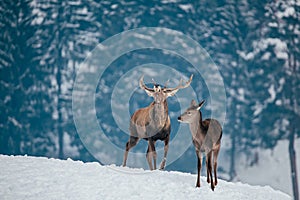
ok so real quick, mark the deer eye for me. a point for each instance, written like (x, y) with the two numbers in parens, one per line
(189, 113)
(157, 88)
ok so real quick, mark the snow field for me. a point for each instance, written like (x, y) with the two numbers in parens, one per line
(24, 177)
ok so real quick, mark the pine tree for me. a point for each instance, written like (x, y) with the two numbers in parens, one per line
(66, 32)
(285, 23)
(277, 48)
(233, 26)
(15, 70)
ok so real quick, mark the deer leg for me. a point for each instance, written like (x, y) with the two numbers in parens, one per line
(154, 155)
(131, 143)
(199, 168)
(207, 171)
(209, 155)
(166, 148)
(149, 159)
(151, 154)
(216, 153)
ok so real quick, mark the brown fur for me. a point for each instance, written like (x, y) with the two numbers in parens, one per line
(206, 137)
(153, 122)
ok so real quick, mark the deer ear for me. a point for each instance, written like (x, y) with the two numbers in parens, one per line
(193, 103)
(200, 104)
(170, 93)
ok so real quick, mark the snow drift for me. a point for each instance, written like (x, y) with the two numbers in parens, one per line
(24, 177)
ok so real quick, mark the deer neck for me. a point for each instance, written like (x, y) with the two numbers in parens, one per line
(160, 113)
(196, 126)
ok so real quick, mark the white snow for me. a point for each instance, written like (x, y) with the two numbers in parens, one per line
(289, 11)
(15, 122)
(280, 48)
(42, 178)
(114, 6)
(186, 7)
(246, 56)
(258, 108)
(272, 93)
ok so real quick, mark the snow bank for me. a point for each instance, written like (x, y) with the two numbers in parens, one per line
(43, 178)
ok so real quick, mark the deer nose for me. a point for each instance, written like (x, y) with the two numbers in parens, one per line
(179, 118)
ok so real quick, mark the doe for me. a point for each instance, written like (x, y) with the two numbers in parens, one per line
(206, 137)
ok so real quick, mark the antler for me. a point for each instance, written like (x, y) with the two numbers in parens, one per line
(153, 81)
(168, 91)
(172, 91)
(144, 87)
(166, 84)
(180, 86)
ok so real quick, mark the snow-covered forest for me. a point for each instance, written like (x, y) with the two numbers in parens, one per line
(255, 45)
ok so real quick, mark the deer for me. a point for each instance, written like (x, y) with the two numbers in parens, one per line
(152, 123)
(206, 136)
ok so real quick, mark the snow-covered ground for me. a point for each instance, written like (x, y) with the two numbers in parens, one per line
(42, 178)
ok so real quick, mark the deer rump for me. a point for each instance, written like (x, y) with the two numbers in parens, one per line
(211, 141)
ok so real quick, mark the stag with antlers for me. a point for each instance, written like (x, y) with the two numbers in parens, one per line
(153, 122)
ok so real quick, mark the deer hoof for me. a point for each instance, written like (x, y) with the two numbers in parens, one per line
(213, 188)
(162, 164)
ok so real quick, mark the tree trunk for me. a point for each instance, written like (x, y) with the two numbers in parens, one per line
(293, 66)
(232, 172)
(59, 120)
(60, 65)
(293, 164)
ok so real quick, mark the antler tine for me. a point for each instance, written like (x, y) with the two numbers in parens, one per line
(143, 86)
(153, 81)
(141, 82)
(190, 79)
(180, 82)
(166, 84)
(180, 86)
(172, 91)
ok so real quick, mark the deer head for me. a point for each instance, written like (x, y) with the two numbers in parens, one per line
(160, 94)
(189, 115)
